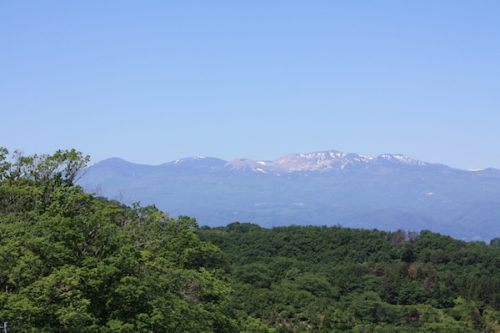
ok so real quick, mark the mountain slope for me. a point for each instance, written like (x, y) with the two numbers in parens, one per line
(323, 188)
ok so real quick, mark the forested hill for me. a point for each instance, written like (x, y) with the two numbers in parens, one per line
(74, 262)
(331, 279)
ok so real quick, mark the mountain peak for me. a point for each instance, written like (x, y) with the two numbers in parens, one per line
(114, 161)
(319, 161)
(197, 162)
(313, 161)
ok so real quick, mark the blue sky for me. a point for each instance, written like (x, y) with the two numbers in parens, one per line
(152, 81)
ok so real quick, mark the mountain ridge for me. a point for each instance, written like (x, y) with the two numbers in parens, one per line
(388, 191)
(299, 162)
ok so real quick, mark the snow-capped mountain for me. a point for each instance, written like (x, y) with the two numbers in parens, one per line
(389, 191)
(319, 161)
(198, 162)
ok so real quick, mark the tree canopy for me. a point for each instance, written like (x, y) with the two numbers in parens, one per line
(74, 262)
(333, 279)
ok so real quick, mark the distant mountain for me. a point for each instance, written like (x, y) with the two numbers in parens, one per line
(389, 191)
(320, 161)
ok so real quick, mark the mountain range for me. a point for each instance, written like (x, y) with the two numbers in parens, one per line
(388, 192)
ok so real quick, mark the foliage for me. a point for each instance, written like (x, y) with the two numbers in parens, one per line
(332, 279)
(73, 262)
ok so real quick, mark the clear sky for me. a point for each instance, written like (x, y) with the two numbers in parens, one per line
(152, 81)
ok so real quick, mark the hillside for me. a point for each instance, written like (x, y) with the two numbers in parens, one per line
(73, 262)
(332, 279)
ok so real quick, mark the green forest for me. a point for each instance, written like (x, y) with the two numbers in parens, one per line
(71, 261)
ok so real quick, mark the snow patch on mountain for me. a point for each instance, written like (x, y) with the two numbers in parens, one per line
(318, 161)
